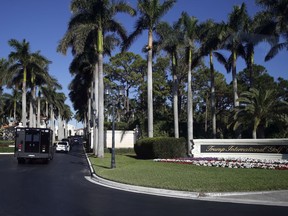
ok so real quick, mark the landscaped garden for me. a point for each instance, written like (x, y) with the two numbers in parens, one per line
(188, 177)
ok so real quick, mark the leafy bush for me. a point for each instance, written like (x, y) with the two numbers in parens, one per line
(170, 147)
(144, 148)
(120, 150)
(160, 147)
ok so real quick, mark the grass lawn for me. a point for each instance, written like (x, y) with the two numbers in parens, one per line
(4, 146)
(188, 177)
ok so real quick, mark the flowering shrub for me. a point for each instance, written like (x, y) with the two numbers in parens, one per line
(231, 162)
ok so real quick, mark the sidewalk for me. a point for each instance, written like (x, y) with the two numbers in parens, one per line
(274, 198)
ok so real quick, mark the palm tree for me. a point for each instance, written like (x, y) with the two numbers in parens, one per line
(190, 25)
(276, 23)
(3, 72)
(20, 60)
(66, 116)
(258, 107)
(91, 20)
(151, 12)
(211, 37)
(236, 26)
(170, 38)
(38, 76)
(43, 84)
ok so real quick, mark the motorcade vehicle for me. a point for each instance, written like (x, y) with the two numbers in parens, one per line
(63, 146)
(33, 143)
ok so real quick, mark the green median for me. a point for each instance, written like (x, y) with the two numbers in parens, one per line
(185, 177)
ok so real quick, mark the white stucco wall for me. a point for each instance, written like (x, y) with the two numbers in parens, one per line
(123, 139)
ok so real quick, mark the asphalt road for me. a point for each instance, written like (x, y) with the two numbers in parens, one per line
(60, 189)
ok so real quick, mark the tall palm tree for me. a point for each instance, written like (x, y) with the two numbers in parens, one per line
(170, 38)
(38, 75)
(20, 59)
(151, 11)
(43, 84)
(191, 35)
(59, 110)
(211, 37)
(258, 107)
(276, 22)
(3, 73)
(236, 26)
(90, 21)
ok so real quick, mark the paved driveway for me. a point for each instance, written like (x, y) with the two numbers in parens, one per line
(61, 189)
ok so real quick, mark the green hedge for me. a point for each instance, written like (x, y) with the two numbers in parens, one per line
(160, 147)
(120, 150)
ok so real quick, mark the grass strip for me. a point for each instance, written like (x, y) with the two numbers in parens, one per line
(6, 142)
(5, 149)
(187, 177)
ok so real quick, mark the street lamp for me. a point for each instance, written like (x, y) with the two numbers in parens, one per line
(114, 95)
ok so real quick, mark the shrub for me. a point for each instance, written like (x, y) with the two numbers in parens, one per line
(120, 150)
(144, 148)
(160, 147)
(169, 147)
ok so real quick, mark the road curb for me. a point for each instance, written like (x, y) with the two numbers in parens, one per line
(228, 197)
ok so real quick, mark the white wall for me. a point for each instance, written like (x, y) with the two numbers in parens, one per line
(123, 139)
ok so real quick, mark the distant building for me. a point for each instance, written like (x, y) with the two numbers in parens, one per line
(71, 130)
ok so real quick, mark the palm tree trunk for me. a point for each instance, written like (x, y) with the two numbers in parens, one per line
(95, 126)
(92, 118)
(251, 74)
(150, 86)
(14, 110)
(30, 114)
(190, 105)
(213, 104)
(206, 113)
(38, 111)
(255, 126)
(101, 108)
(234, 79)
(24, 98)
(60, 127)
(52, 118)
(89, 116)
(175, 98)
(34, 106)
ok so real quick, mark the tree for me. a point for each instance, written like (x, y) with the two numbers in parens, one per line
(21, 59)
(258, 107)
(236, 26)
(151, 11)
(126, 69)
(90, 21)
(190, 26)
(170, 38)
(211, 38)
(3, 72)
(276, 23)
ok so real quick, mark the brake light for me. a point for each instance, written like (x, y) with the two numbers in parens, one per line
(43, 149)
(19, 147)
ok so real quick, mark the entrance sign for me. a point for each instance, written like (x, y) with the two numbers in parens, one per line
(241, 148)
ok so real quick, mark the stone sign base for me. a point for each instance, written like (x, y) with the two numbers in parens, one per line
(270, 149)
